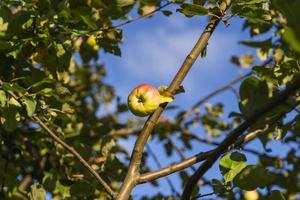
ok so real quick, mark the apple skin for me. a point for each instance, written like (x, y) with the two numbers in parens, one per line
(143, 100)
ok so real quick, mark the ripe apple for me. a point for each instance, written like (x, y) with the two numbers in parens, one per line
(143, 100)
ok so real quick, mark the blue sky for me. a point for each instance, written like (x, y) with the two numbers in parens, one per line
(152, 52)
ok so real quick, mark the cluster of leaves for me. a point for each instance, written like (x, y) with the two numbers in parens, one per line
(281, 65)
(50, 69)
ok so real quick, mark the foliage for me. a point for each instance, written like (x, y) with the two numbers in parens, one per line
(49, 59)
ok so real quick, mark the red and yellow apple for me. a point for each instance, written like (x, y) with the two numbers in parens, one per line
(143, 100)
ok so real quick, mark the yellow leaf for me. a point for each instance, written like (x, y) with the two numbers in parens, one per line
(3, 25)
(262, 55)
(165, 97)
(246, 60)
(148, 9)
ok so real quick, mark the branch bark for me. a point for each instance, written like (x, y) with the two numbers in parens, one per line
(132, 176)
(68, 148)
(234, 135)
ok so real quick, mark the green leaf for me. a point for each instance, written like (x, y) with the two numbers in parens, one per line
(290, 37)
(253, 94)
(40, 83)
(252, 177)
(167, 12)
(81, 189)
(290, 11)
(9, 118)
(5, 45)
(64, 190)
(60, 51)
(89, 22)
(190, 9)
(199, 2)
(2, 98)
(246, 2)
(232, 164)
(122, 3)
(37, 192)
(265, 44)
(13, 87)
(276, 195)
(30, 104)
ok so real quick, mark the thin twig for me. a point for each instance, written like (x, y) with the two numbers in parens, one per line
(68, 148)
(133, 174)
(156, 160)
(132, 20)
(203, 195)
(143, 16)
(234, 135)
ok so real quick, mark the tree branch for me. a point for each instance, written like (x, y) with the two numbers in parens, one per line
(132, 176)
(142, 16)
(202, 156)
(203, 195)
(68, 148)
(233, 136)
(132, 20)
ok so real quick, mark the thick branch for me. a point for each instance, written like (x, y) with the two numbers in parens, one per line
(132, 176)
(70, 149)
(233, 136)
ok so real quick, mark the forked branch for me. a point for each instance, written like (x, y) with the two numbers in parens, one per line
(133, 174)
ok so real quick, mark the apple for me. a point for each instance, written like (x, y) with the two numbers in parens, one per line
(143, 100)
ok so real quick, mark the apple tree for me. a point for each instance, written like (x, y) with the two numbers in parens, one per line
(53, 84)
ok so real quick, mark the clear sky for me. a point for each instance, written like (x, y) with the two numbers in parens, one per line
(152, 52)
